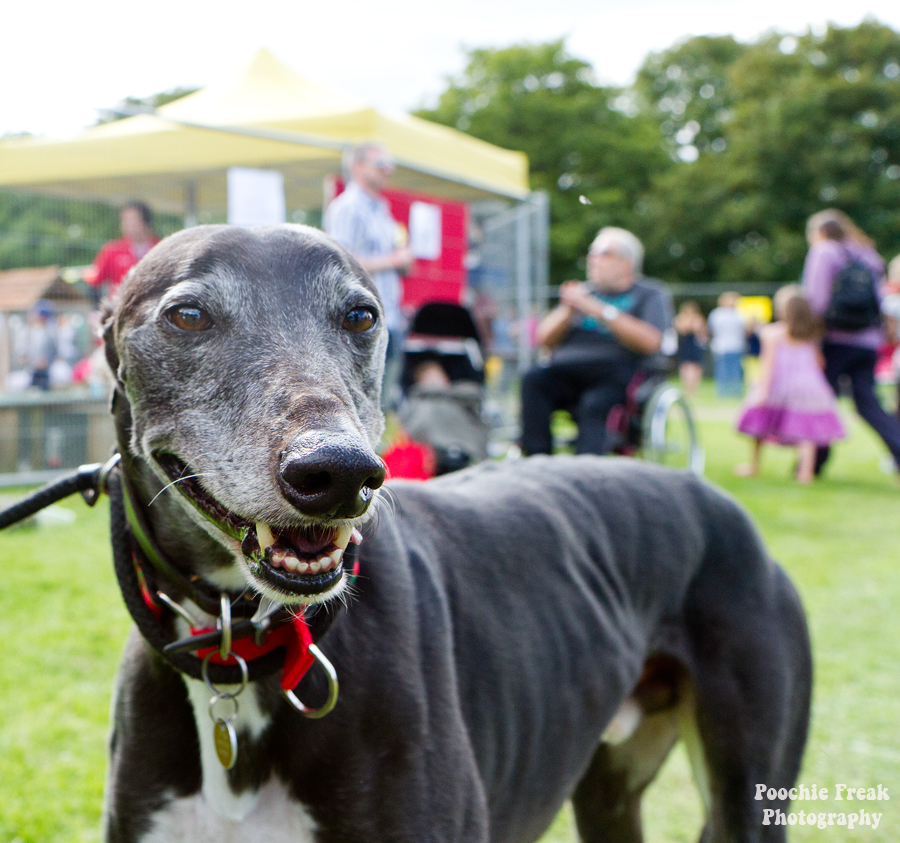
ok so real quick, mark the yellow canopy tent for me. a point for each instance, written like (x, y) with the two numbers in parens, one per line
(176, 159)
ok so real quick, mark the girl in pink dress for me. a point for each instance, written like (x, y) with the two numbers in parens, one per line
(791, 403)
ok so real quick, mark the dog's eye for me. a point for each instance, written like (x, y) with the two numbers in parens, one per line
(359, 319)
(188, 317)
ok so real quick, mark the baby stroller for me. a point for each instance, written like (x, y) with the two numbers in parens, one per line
(442, 383)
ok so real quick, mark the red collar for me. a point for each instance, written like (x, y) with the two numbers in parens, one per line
(293, 634)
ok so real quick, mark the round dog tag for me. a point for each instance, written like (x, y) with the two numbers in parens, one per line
(225, 740)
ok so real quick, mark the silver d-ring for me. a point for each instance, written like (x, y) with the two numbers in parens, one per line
(225, 626)
(245, 677)
(331, 673)
(215, 700)
(108, 466)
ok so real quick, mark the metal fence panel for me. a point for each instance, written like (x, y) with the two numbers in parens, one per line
(45, 433)
(513, 270)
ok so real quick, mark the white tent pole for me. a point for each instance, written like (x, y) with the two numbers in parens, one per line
(541, 217)
(190, 204)
(523, 284)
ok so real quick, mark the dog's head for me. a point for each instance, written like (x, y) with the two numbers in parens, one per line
(248, 368)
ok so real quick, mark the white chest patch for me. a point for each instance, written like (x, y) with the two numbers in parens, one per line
(219, 815)
(217, 793)
(275, 818)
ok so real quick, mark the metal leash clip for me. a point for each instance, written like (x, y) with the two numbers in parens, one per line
(97, 478)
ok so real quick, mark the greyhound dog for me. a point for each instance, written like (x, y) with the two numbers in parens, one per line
(505, 638)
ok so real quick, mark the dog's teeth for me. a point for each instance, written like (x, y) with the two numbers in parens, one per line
(335, 556)
(302, 568)
(356, 536)
(264, 534)
(277, 557)
(314, 567)
(291, 562)
(342, 539)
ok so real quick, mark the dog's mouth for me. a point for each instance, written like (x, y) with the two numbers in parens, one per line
(293, 560)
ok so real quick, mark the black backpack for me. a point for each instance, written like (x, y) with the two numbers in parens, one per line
(853, 305)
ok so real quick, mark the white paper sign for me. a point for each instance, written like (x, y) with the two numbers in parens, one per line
(255, 197)
(425, 230)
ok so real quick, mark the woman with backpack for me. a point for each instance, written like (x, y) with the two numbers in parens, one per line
(842, 277)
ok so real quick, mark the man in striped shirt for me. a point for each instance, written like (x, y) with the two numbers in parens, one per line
(360, 220)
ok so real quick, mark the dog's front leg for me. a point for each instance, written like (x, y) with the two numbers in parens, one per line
(425, 806)
(393, 763)
(153, 744)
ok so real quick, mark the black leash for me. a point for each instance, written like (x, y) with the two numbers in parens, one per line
(136, 558)
(89, 480)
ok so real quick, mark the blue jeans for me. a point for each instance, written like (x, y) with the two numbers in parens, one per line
(728, 372)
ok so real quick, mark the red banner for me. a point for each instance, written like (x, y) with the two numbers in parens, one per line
(438, 278)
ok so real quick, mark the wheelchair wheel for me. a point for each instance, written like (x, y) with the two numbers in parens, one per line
(669, 434)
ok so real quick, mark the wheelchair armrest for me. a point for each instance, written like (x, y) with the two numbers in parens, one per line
(647, 387)
(657, 364)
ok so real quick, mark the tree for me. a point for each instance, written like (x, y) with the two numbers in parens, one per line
(812, 121)
(37, 230)
(686, 88)
(829, 133)
(586, 150)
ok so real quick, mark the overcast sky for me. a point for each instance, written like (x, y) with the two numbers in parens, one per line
(60, 62)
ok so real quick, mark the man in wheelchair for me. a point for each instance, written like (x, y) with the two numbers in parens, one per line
(601, 333)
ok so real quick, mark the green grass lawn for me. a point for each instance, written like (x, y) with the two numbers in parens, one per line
(62, 624)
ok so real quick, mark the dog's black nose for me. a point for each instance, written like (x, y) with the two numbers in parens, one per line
(333, 479)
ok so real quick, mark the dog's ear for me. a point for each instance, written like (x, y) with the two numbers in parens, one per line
(107, 334)
(118, 404)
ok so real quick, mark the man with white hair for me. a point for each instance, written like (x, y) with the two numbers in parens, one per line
(360, 220)
(599, 335)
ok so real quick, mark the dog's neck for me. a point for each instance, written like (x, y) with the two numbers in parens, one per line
(154, 588)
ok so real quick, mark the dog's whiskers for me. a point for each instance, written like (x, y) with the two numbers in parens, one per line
(349, 592)
(169, 485)
(383, 500)
(389, 498)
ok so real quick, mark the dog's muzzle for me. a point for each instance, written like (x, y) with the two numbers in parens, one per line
(329, 482)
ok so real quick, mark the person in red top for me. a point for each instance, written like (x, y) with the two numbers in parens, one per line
(118, 256)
